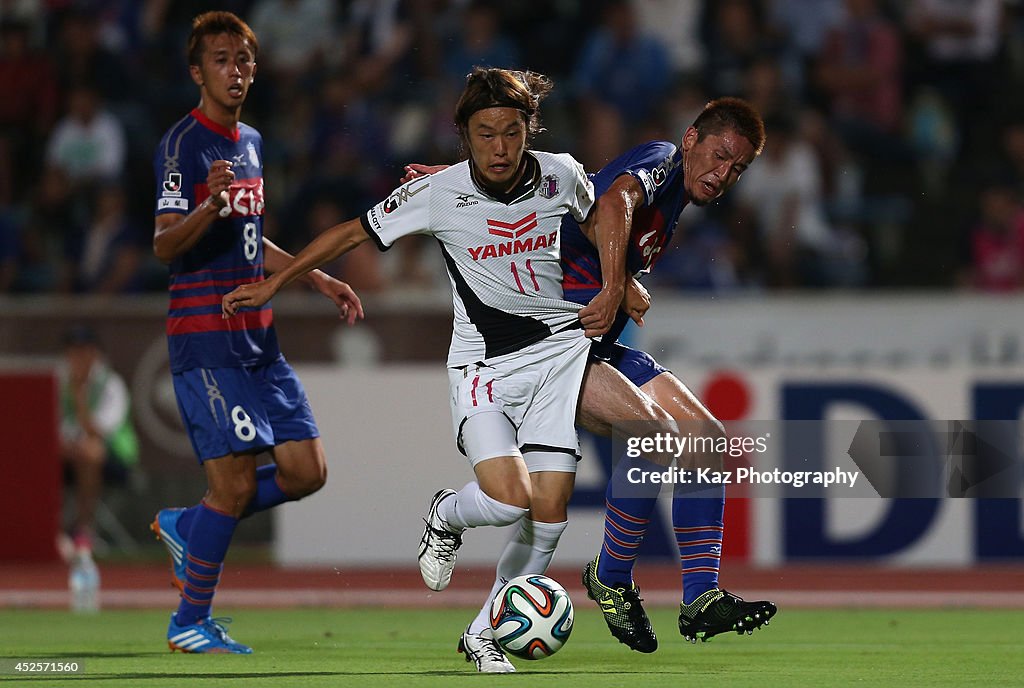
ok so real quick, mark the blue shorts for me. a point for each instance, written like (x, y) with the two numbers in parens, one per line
(243, 410)
(639, 366)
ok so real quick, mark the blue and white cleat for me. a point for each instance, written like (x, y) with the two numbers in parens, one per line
(206, 636)
(165, 527)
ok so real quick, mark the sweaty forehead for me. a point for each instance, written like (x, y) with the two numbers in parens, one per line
(731, 143)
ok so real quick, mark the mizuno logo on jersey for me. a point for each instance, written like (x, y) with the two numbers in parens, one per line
(466, 200)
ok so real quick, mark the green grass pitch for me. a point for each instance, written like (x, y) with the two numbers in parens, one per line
(378, 647)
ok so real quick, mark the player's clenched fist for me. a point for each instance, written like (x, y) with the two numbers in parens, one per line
(218, 181)
(247, 296)
(636, 301)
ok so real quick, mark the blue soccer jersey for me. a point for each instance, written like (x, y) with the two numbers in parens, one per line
(230, 253)
(658, 167)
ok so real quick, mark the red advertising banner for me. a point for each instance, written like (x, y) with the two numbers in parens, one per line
(29, 466)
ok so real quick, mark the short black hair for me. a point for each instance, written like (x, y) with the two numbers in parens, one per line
(212, 24)
(737, 114)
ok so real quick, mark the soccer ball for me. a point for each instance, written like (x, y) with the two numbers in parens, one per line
(531, 617)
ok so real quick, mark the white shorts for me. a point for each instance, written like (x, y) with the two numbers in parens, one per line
(522, 404)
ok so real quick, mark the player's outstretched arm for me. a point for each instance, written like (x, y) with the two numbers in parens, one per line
(175, 234)
(611, 224)
(334, 242)
(340, 293)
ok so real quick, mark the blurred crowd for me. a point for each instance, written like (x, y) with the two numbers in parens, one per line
(895, 153)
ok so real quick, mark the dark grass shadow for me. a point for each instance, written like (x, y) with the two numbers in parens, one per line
(274, 675)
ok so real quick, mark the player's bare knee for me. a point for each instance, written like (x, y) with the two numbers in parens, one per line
(520, 496)
(319, 479)
(658, 423)
(549, 509)
(302, 483)
(711, 432)
(662, 420)
(514, 493)
(232, 496)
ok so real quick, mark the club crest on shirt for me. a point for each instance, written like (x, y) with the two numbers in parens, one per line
(548, 186)
(252, 154)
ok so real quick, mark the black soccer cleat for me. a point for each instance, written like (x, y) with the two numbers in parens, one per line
(623, 611)
(719, 611)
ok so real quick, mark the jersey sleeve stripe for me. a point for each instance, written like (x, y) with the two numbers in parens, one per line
(214, 322)
(172, 149)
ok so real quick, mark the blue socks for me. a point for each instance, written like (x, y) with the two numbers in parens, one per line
(697, 519)
(268, 492)
(208, 542)
(208, 533)
(628, 508)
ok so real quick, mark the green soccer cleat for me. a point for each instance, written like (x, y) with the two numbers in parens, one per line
(623, 611)
(719, 611)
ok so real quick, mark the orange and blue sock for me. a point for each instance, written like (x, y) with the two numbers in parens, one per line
(697, 519)
(628, 508)
(208, 542)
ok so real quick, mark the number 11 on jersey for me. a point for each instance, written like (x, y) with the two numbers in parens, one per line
(519, 282)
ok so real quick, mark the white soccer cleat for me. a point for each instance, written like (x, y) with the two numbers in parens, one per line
(483, 649)
(438, 546)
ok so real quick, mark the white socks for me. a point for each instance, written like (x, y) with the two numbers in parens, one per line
(529, 551)
(471, 507)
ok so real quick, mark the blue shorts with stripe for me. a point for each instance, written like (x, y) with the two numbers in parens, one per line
(639, 366)
(243, 410)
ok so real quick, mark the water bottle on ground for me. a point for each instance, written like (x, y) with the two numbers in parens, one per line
(84, 583)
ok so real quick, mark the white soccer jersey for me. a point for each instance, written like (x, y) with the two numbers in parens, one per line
(503, 254)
